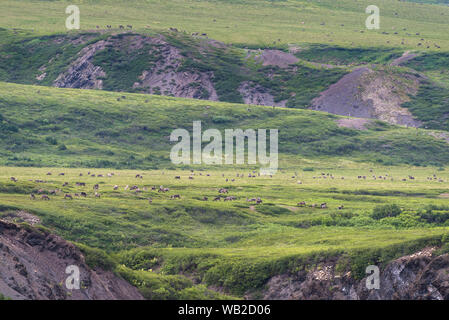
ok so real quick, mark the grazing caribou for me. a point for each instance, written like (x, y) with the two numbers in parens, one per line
(162, 189)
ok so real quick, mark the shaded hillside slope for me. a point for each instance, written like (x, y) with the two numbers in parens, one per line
(64, 127)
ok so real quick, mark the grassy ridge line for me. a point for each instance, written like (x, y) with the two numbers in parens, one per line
(44, 126)
(27, 58)
(246, 22)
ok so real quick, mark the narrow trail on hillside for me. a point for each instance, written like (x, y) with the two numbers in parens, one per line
(406, 56)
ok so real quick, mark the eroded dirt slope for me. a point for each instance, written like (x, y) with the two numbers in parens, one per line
(33, 265)
(420, 276)
(162, 77)
(371, 93)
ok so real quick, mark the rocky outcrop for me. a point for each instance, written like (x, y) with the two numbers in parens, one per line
(420, 276)
(33, 266)
(167, 78)
(82, 73)
(164, 77)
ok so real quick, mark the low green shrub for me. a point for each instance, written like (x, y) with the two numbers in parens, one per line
(389, 210)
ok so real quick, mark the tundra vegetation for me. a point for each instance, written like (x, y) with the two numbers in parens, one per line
(385, 189)
(93, 165)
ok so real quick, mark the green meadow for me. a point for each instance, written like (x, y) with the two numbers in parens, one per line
(187, 248)
(253, 22)
(234, 245)
(385, 187)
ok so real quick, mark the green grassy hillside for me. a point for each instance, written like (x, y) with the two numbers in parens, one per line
(44, 126)
(385, 187)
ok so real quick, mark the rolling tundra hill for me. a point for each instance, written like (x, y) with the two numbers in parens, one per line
(42, 126)
(85, 124)
(397, 87)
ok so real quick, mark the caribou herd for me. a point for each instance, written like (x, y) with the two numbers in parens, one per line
(223, 193)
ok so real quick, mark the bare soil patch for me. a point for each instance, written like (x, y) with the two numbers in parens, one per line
(274, 58)
(355, 123)
(365, 93)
